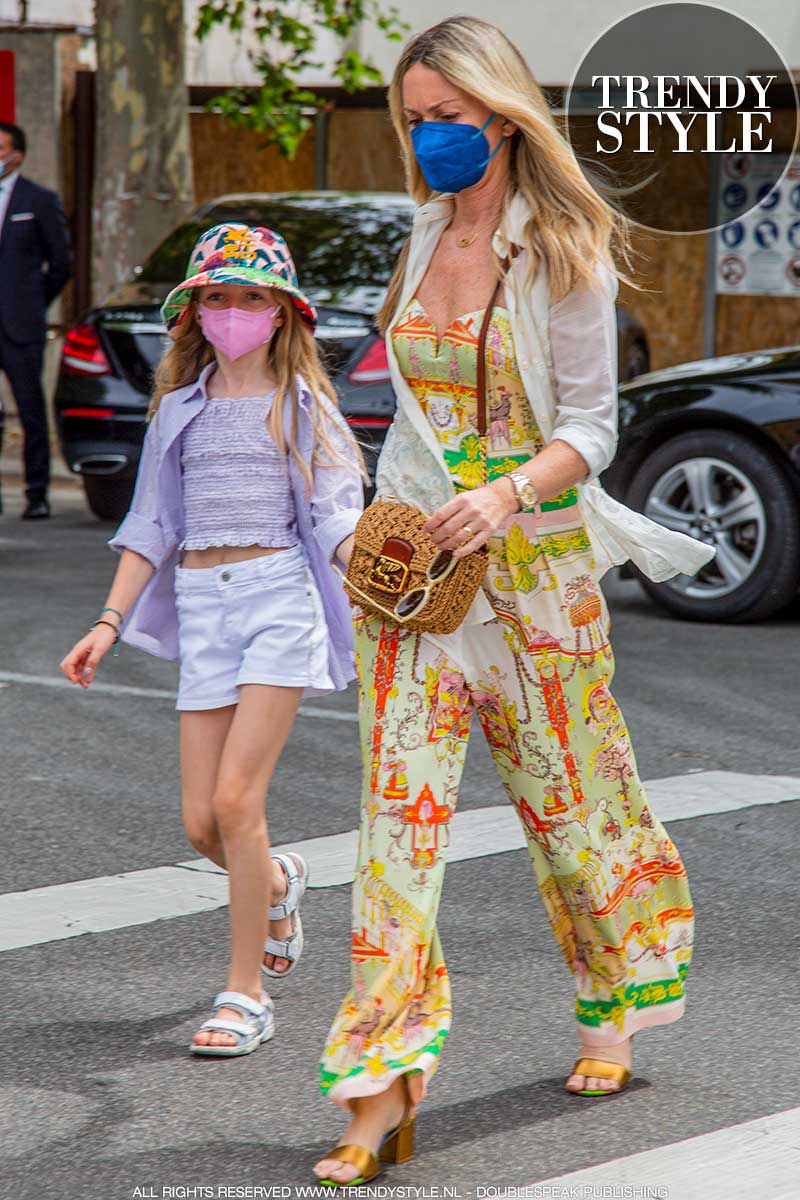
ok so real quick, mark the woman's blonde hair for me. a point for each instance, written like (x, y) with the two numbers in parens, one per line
(291, 351)
(571, 225)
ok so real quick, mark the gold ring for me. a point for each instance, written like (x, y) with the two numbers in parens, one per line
(468, 530)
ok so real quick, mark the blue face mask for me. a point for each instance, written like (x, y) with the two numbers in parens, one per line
(452, 156)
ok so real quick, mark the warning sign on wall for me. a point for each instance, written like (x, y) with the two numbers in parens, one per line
(758, 246)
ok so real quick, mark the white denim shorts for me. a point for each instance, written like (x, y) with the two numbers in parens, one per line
(260, 620)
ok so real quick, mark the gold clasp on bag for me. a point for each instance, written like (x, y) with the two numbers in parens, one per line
(390, 570)
(388, 575)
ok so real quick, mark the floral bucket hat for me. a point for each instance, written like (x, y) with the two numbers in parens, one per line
(235, 253)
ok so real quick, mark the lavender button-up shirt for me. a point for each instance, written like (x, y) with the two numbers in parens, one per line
(154, 525)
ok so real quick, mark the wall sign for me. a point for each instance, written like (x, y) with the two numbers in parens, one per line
(758, 248)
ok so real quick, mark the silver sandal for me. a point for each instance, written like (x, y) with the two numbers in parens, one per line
(295, 869)
(257, 1024)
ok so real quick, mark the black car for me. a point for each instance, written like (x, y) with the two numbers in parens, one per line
(344, 246)
(712, 449)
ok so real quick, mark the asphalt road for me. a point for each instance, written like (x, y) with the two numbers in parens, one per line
(98, 1094)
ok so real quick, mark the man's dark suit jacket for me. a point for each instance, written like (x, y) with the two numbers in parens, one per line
(35, 235)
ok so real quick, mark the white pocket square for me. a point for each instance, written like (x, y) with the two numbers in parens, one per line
(21, 217)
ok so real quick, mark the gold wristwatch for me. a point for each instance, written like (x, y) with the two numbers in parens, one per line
(527, 496)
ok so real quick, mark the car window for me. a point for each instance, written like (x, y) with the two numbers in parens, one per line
(339, 246)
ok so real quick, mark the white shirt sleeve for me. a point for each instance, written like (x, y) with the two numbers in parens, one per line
(583, 341)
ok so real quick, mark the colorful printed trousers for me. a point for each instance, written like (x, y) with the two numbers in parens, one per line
(613, 885)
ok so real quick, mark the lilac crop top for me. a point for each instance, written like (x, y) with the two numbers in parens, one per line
(236, 486)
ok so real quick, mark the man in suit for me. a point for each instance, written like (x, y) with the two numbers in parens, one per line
(35, 263)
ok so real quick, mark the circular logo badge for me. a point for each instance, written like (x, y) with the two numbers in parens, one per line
(673, 95)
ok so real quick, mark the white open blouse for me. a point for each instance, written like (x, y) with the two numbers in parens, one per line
(583, 345)
(567, 359)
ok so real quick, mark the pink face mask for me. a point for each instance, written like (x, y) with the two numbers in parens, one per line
(234, 331)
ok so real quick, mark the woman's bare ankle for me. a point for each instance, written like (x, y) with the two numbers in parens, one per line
(371, 1117)
(615, 1052)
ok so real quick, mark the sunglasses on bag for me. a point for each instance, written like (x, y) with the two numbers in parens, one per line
(440, 566)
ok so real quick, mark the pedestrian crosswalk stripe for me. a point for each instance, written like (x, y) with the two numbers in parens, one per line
(101, 688)
(66, 910)
(496, 829)
(755, 1158)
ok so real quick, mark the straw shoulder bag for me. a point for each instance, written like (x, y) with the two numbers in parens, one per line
(397, 571)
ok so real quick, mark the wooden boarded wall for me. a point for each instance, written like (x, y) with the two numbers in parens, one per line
(230, 158)
(363, 154)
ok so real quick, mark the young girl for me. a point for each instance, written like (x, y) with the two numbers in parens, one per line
(249, 485)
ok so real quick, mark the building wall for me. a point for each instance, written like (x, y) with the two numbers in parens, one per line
(51, 12)
(38, 99)
(221, 58)
(758, 322)
(552, 35)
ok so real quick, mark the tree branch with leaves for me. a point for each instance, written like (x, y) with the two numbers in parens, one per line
(286, 36)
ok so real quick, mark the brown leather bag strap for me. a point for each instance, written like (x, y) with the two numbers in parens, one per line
(483, 417)
(483, 407)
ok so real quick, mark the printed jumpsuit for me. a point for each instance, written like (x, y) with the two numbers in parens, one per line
(537, 677)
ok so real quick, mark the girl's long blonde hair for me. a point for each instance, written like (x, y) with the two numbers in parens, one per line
(291, 351)
(571, 225)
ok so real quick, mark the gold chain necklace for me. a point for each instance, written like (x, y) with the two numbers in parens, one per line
(464, 242)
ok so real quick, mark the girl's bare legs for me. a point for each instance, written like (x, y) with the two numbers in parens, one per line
(228, 756)
(202, 739)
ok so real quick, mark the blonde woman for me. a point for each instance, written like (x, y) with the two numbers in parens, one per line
(506, 221)
(249, 486)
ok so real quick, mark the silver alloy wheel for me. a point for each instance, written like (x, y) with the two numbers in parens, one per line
(713, 501)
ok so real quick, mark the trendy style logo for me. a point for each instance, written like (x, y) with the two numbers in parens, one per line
(670, 100)
(687, 104)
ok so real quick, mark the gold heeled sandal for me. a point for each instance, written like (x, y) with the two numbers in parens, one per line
(602, 1068)
(397, 1146)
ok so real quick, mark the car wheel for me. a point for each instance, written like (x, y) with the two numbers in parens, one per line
(109, 499)
(722, 488)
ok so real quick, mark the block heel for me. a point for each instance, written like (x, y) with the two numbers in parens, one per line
(399, 1144)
